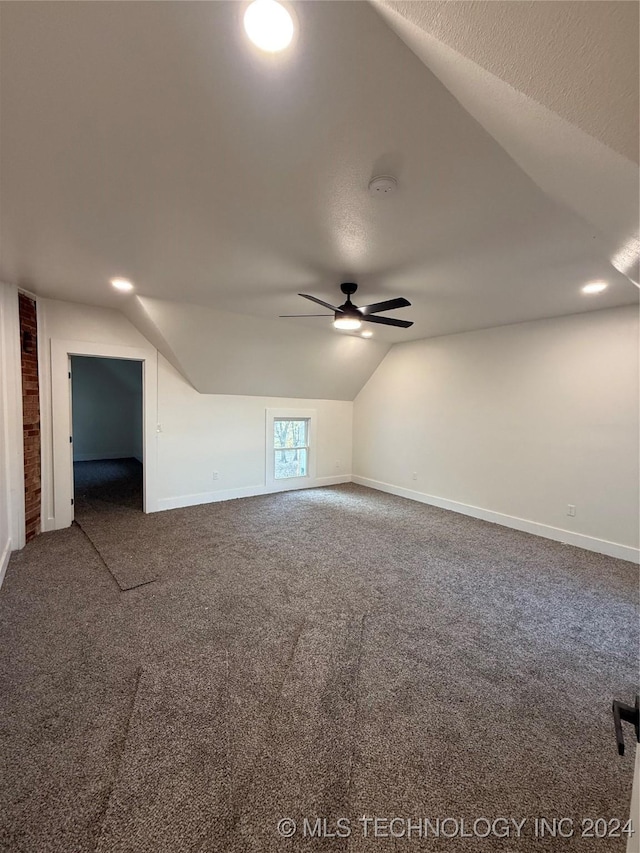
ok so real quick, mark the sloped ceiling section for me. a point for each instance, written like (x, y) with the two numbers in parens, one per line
(224, 353)
(556, 84)
(151, 141)
(136, 311)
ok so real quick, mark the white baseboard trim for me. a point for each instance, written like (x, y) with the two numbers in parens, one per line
(4, 559)
(567, 537)
(244, 492)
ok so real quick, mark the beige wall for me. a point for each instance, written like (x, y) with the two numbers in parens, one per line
(516, 422)
(203, 433)
(197, 433)
(511, 424)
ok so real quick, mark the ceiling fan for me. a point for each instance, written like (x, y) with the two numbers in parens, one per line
(349, 317)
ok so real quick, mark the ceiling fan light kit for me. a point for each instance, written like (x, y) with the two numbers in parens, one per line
(349, 317)
(346, 323)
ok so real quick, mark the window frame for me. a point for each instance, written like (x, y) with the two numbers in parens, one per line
(288, 483)
(296, 447)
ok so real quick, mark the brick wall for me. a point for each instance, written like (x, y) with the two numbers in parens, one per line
(30, 415)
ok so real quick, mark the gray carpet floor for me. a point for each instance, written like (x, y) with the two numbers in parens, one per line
(116, 482)
(106, 492)
(334, 652)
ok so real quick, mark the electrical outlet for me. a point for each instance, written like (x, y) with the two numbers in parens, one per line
(338, 466)
(414, 476)
(216, 475)
(571, 510)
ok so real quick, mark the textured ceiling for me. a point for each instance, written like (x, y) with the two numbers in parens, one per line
(149, 140)
(572, 167)
(578, 59)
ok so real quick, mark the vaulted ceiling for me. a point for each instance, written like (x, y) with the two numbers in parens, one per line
(150, 140)
(556, 85)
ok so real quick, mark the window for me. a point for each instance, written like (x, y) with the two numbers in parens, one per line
(290, 448)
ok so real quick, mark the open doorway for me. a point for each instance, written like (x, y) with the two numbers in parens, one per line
(107, 432)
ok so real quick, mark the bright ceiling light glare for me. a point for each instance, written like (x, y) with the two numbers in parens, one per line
(121, 284)
(367, 334)
(347, 324)
(269, 25)
(595, 287)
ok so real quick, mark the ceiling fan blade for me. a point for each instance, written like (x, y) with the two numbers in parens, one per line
(306, 315)
(389, 305)
(388, 321)
(319, 301)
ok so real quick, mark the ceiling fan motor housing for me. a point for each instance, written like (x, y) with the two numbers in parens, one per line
(348, 288)
(348, 310)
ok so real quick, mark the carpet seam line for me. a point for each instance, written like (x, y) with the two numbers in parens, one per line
(125, 739)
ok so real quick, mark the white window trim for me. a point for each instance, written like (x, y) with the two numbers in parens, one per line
(309, 480)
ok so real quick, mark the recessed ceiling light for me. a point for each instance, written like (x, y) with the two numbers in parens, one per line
(121, 284)
(595, 287)
(269, 25)
(367, 334)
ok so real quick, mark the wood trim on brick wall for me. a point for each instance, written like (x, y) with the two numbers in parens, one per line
(30, 414)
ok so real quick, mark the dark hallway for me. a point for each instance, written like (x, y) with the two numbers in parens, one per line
(107, 433)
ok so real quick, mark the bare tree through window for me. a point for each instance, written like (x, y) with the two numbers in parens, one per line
(291, 447)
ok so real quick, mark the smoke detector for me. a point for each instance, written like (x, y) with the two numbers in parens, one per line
(383, 185)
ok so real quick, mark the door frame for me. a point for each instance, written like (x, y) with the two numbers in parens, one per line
(12, 445)
(61, 351)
